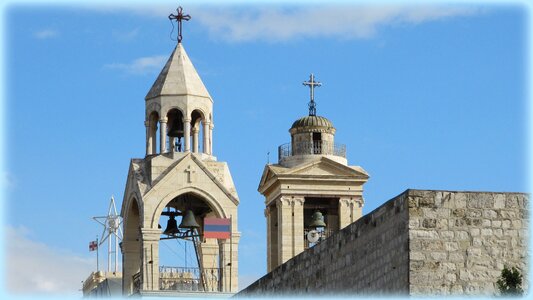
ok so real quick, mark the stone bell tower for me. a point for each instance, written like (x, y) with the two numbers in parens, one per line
(178, 177)
(312, 182)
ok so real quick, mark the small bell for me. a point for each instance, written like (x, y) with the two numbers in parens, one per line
(317, 220)
(172, 226)
(189, 220)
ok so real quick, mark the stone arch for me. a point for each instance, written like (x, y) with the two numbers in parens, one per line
(131, 245)
(208, 198)
(153, 120)
(153, 107)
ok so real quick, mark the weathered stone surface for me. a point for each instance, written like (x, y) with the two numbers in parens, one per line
(442, 243)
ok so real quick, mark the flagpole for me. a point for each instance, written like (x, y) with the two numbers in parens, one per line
(97, 251)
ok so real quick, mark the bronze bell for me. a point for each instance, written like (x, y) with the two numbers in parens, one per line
(172, 226)
(317, 220)
(189, 221)
(176, 130)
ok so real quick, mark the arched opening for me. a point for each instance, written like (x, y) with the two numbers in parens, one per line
(198, 131)
(187, 262)
(175, 130)
(131, 247)
(153, 119)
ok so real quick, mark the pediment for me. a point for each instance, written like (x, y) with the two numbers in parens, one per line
(190, 171)
(326, 167)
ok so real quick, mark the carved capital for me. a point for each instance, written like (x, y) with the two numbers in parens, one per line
(163, 120)
(147, 123)
(298, 201)
(150, 234)
(283, 202)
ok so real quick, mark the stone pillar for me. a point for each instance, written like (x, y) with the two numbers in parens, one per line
(187, 134)
(209, 260)
(211, 126)
(350, 209)
(150, 259)
(298, 225)
(131, 259)
(148, 138)
(234, 254)
(268, 241)
(163, 135)
(206, 137)
(195, 140)
(285, 230)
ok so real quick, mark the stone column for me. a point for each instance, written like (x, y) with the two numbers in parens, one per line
(350, 210)
(209, 260)
(148, 138)
(285, 230)
(206, 137)
(195, 140)
(150, 259)
(131, 259)
(163, 135)
(268, 241)
(298, 225)
(211, 126)
(187, 134)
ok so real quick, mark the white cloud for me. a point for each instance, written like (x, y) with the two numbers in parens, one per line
(46, 34)
(347, 22)
(35, 268)
(142, 65)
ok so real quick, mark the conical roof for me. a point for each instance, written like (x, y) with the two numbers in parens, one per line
(178, 77)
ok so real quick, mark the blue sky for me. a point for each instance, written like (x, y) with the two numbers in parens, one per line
(432, 97)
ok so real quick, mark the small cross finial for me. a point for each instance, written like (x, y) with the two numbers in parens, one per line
(179, 17)
(312, 83)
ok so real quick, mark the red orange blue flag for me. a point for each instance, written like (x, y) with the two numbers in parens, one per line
(217, 228)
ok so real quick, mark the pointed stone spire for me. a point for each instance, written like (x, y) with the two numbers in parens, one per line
(178, 77)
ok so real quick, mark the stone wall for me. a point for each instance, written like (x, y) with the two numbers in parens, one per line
(370, 255)
(460, 241)
(419, 243)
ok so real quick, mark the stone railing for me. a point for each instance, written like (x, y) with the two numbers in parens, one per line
(311, 148)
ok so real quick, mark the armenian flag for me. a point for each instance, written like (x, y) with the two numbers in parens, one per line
(217, 228)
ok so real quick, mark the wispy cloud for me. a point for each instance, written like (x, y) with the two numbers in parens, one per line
(346, 22)
(142, 65)
(46, 34)
(39, 269)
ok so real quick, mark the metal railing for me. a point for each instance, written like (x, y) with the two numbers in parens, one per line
(189, 279)
(310, 148)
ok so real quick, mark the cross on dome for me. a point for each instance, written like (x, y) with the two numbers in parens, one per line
(179, 17)
(312, 83)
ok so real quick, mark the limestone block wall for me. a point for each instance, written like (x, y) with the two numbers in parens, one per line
(460, 241)
(370, 255)
(419, 243)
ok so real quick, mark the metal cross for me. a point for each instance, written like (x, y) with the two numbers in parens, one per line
(179, 17)
(312, 83)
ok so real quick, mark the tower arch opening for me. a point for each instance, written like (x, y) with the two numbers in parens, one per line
(187, 261)
(153, 119)
(131, 247)
(176, 130)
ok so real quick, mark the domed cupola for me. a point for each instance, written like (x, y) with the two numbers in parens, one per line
(311, 136)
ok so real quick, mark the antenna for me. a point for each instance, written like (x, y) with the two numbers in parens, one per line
(112, 229)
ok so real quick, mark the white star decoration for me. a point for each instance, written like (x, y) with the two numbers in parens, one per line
(111, 222)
